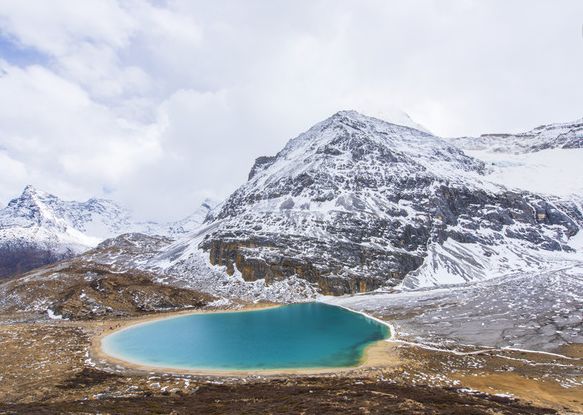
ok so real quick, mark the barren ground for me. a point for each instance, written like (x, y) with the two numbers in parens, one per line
(47, 368)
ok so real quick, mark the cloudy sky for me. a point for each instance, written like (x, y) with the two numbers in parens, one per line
(160, 104)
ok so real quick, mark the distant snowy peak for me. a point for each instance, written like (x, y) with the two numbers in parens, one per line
(38, 228)
(96, 217)
(552, 136)
(31, 208)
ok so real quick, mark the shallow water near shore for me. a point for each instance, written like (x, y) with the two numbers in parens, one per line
(308, 335)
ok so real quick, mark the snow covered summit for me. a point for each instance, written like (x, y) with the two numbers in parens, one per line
(356, 203)
(38, 228)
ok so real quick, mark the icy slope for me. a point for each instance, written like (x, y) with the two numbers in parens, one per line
(545, 160)
(356, 203)
(552, 171)
(535, 311)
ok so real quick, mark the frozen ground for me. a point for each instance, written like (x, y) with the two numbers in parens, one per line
(526, 311)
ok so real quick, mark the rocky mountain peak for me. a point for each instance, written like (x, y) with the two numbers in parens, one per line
(32, 207)
(356, 203)
(351, 152)
(350, 134)
(37, 228)
(29, 190)
(394, 117)
(30, 194)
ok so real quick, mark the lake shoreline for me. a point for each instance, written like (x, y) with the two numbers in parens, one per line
(374, 355)
(62, 350)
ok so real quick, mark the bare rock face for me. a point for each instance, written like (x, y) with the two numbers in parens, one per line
(356, 203)
(277, 263)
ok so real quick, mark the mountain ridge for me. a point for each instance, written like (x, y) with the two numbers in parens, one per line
(566, 135)
(38, 228)
(356, 204)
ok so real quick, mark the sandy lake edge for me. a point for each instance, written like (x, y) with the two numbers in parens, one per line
(374, 354)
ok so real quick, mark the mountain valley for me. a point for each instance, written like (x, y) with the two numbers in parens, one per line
(479, 275)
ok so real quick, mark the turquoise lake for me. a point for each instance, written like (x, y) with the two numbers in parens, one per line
(309, 335)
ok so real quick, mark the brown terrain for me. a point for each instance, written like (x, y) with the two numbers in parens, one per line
(55, 366)
(49, 367)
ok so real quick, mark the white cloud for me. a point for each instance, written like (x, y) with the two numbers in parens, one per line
(66, 140)
(168, 102)
(61, 26)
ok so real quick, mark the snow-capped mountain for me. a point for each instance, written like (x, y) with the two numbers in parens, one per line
(551, 136)
(38, 228)
(356, 203)
(545, 160)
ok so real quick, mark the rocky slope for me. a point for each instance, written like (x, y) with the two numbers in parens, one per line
(356, 203)
(103, 282)
(38, 228)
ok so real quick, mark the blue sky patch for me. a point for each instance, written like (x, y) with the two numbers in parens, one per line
(17, 54)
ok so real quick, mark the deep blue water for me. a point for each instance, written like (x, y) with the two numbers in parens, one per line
(294, 336)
